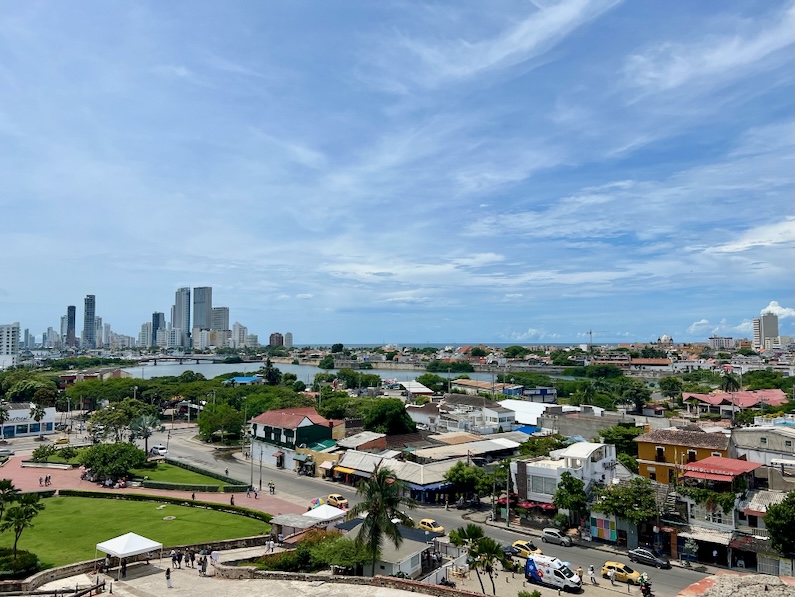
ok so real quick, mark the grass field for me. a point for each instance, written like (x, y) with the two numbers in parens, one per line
(69, 528)
(174, 474)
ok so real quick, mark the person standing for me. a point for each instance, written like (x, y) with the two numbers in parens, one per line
(592, 574)
(579, 573)
(179, 559)
(124, 568)
(173, 558)
(272, 544)
(280, 538)
(231, 500)
(168, 578)
(715, 556)
(248, 491)
(192, 559)
(612, 576)
(193, 496)
(256, 494)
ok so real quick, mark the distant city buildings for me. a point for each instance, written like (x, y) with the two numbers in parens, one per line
(220, 319)
(180, 316)
(288, 340)
(202, 307)
(721, 343)
(276, 339)
(71, 333)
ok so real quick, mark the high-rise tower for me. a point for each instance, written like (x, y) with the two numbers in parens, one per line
(202, 307)
(158, 323)
(180, 318)
(89, 338)
(765, 331)
(71, 316)
(9, 345)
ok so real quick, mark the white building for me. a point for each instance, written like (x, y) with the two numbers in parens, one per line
(21, 424)
(239, 333)
(288, 340)
(9, 345)
(765, 331)
(537, 479)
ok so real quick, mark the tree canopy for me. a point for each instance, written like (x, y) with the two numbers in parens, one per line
(633, 501)
(622, 437)
(112, 461)
(388, 415)
(780, 522)
(571, 495)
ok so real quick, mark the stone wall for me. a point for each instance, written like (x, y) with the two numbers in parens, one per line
(402, 584)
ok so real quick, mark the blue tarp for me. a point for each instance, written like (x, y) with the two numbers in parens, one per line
(528, 429)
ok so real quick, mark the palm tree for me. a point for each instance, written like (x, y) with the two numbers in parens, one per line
(37, 413)
(144, 426)
(485, 555)
(8, 494)
(21, 517)
(383, 500)
(468, 537)
(729, 382)
(3, 420)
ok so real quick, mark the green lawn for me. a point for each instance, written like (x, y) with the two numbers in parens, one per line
(169, 473)
(68, 528)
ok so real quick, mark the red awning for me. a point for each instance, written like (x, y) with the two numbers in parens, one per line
(278, 454)
(708, 476)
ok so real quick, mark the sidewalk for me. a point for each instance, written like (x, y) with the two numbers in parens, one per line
(485, 519)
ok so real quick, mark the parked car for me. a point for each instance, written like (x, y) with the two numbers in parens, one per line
(6, 452)
(623, 572)
(336, 500)
(158, 450)
(525, 548)
(644, 555)
(429, 524)
(509, 551)
(552, 535)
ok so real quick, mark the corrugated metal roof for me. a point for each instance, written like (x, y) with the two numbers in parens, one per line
(759, 500)
(360, 438)
(360, 461)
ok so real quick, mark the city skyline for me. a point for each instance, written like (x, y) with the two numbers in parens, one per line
(444, 172)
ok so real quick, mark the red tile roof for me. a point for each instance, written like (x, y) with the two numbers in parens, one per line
(290, 418)
(773, 397)
(723, 468)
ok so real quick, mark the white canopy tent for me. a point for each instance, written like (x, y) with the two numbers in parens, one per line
(325, 513)
(125, 546)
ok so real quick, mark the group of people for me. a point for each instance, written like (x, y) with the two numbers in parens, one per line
(191, 561)
(592, 574)
(45, 481)
(251, 489)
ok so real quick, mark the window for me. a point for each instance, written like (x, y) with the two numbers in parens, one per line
(653, 476)
(753, 521)
(788, 443)
(546, 485)
(718, 454)
(762, 440)
(659, 454)
(691, 455)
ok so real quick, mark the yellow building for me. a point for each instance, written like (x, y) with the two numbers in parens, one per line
(662, 452)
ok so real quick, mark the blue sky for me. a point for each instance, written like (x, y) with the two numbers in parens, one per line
(364, 172)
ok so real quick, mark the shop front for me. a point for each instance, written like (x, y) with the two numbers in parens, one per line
(20, 423)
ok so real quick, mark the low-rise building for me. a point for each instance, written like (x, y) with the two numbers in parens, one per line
(662, 452)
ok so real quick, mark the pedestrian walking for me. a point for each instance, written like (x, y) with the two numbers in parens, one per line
(579, 573)
(592, 574)
(204, 566)
(124, 568)
(192, 559)
(193, 496)
(612, 576)
(280, 538)
(226, 472)
(256, 494)
(41, 481)
(173, 558)
(248, 491)
(188, 553)
(168, 578)
(231, 500)
(179, 559)
(271, 545)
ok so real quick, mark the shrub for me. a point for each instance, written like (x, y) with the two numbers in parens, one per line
(24, 565)
(535, 593)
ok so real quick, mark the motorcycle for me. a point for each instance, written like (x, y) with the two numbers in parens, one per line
(447, 583)
(645, 589)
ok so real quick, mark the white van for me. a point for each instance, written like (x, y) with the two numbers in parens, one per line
(549, 570)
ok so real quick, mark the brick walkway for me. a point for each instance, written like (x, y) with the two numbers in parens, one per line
(27, 479)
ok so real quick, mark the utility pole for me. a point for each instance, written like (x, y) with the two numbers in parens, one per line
(508, 494)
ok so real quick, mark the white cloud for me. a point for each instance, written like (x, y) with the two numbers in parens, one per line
(533, 334)
(766, 235)
(714, 60)
(303, 297)
(776, 309)
(698, 327)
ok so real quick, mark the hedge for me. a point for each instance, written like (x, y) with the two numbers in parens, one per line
(179, 486)
(203, 471)
(22, 566)
(263, 516)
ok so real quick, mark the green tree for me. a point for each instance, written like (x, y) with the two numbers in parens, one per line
(434, 382)
(468, 537)
(340, 551)
(20, 516)
(383, 497)
(622, 436)
(780, 522)
(142, 427)
(327, 362)
(628, 461)
(478, 351)
(112, 461)
(115, 420)
(37, 413)
(465, 478)
(606, 371)
(449, 366)
(632, 501)
(45, 396)
(638, 395)
(388, 415)
(273, 376)
(542, 446)
(44, 453)
(8, 495)
(485, 555)
(729, 382)
(571, 496)
(338, 347)
(220, 419)
(671, 386)
(515, 352)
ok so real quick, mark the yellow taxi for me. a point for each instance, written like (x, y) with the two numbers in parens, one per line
(525, 548)
(623, 573)
(336, 500)
(429, 524)
(62, 440)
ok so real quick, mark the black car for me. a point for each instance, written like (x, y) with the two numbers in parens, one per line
(643, 555)
(510, 551)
